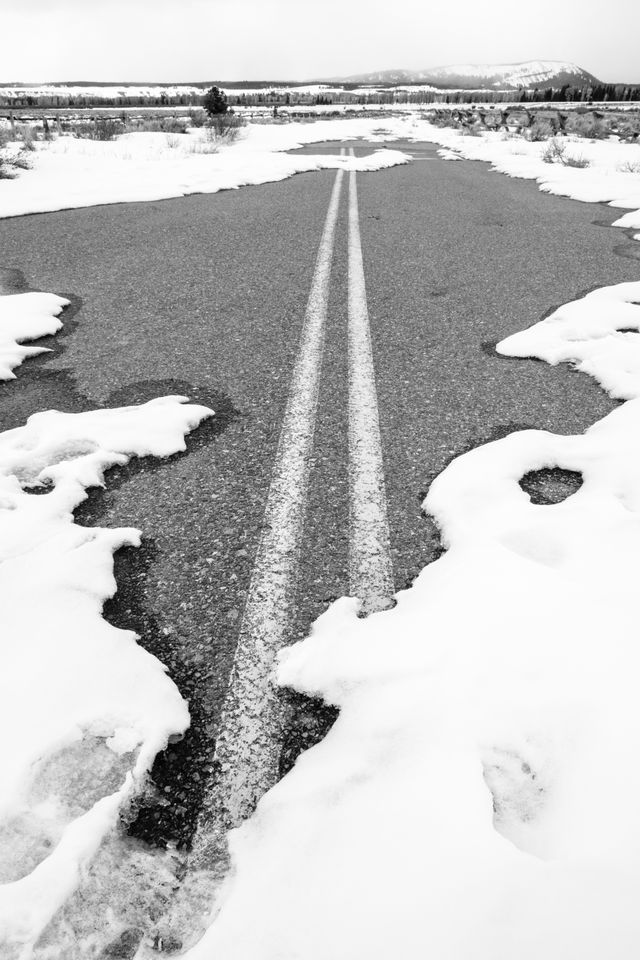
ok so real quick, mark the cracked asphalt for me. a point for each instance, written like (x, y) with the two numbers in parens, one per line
(205, 296)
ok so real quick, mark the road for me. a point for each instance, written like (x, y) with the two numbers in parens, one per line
(206, 296)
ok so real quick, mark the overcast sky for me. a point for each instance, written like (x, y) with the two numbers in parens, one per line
(181, 40)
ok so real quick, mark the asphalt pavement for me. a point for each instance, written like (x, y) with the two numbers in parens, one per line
(205, 296)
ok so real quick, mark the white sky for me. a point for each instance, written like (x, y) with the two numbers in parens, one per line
(181, 40)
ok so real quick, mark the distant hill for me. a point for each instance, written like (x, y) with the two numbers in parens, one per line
(484, 76)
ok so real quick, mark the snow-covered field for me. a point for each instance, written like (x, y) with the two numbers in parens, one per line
(611, 173)
(71, 172)
(477, 797)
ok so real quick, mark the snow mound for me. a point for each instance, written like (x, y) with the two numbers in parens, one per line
(84, 709)
(26, 316)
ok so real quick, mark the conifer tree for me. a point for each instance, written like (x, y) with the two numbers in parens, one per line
(215, 101)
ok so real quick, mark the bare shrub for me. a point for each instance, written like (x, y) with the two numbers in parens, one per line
(579, 161)
(157, 125)
(6, 171)
(444, 121)
(554, 152)
(5, 136)
(197, 118)
(224, 127)
(539, 131)
(588, 126)
(628, 128)
(102, 128)
(629, 166)
(28, 135)
(21, 161)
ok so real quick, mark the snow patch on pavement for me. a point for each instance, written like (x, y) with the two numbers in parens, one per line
(24, 317)
(446, 154)
(598, 333)
(477, 797)
(83, 708)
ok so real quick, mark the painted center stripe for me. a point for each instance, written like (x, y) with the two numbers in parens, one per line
(247, 750)
(370, 566)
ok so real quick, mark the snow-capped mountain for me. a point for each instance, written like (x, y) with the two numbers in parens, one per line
(486, 76)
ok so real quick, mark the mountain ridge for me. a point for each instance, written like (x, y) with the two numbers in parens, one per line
(483, 76)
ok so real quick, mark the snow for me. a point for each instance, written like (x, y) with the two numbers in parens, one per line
(445, 154)
(83, 708)
(71, 173)
(148, 91)
(610, 177)
(477, 797)
(106, 92)
(514, 74)
(599, 334)
(26, 316)
(152, 166)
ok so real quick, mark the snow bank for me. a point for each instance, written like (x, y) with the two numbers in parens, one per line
(83, 708)
(598, 333)
(153, 166)
(477, 798)
(610, 177)
(26, 316)
(69, 173)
